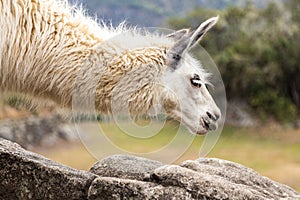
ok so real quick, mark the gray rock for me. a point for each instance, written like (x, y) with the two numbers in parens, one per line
(125, 166)
(115, 188)
(240, 175)
(218, 179)
(26, 175)
(35, 131)
(201, 185)
(205, 178)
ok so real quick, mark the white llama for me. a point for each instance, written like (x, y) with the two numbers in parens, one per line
(47, 49)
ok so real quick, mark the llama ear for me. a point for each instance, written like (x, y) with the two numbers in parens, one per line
(175, 53)
(178, 34)
(186, 40)
(197, 34)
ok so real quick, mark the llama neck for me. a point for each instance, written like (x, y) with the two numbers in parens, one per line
(128, 79)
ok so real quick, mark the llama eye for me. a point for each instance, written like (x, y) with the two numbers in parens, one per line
(195, 81)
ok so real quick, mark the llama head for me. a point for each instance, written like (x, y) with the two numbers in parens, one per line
(187, 99)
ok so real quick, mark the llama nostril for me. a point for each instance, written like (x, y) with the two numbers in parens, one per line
(209, 115)
(213, 117)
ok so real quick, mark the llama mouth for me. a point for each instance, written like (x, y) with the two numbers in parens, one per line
(204, 126)
(201, 132)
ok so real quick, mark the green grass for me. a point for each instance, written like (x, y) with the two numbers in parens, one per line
(273, 152)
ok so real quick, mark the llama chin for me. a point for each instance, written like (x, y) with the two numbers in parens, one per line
(52, 50)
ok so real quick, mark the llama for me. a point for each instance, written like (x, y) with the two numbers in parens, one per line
(49, 49)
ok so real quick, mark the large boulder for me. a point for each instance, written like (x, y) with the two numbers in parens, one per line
(26, 175)
(126, 167)
(104, 188)
(205, 178)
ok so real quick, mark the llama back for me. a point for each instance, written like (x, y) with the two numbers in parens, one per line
(44, 43)
(40, 40)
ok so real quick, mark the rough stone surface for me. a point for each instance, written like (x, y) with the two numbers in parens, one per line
(25, 175)
(205, 178)
(116, 188)
(241, 177)
(126, 167)
(219, 179)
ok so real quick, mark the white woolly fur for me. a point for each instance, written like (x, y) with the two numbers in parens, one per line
(45, 43)
(49, 49)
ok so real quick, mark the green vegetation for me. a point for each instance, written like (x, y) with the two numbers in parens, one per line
(258, 54)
